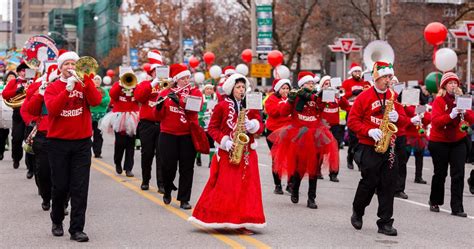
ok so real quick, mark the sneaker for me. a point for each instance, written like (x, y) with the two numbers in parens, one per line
(459, 214)
(434, 208)
(311, 204)
(333, 178)
(387, 230)
(57, 230)
(79, 237)
(144, 186)
(420, 180)
(129, 173)
(401, 195)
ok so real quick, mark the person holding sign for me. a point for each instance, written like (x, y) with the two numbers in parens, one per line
(147, 93)
(300, 146)
(330, 114)
(274, 105)
(448, 144)
(232, 197)
(175, 110)
(209, 101)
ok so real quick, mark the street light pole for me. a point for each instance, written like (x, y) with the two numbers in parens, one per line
(128, 45)
(180, 52)
(382, 21)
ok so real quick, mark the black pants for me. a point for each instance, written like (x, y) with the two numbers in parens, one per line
(149, 133)
(296, 182)
(276, 177)
(174, 150)
(338, 133)
(402, 154)
(3, 140)
(418, 153)
(444, 154)
(353, 141)
(97, 139)
(29, 158)
(124, 143)
(43, 170)
(18, 135)
(70, 162)
(377, 175)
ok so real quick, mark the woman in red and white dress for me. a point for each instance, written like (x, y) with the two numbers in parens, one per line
(232, 197)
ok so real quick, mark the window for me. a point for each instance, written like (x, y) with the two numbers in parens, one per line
(450, 12)
(36, 15)
(452, 42)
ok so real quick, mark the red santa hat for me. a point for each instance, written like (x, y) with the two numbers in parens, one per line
(447, 77)
(178, 71)
(278, 83)
(154, 59)
(52, 73)
(354, 67)
(229, 70)
(305, 77)
(230, 83)
(65, 55)
(382, 68)
(323, 79)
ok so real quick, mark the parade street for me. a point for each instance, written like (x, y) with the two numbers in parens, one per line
(120, 215)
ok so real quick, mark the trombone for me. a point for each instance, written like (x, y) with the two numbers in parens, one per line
(166, 97)
(85, 66)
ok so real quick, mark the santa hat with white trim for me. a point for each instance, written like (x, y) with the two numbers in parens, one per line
(354, 67)
(278, 84)
(305, 77)
(381, 69)
(323, 79)
(229, 70)
(154, 59)
(178, 71)
(230, 83)
(65, 55)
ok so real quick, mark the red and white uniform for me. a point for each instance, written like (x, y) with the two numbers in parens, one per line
(350, 85)
(330, 111)
(36, 107)
(232, 197)
(68, 112)
(174, 119)
(275, 107)
(366, 114)
(414, 138)
(147, 96)
(11, 87)
(124, 100)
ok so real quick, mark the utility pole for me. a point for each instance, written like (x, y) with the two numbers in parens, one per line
(180, 52)
(253, 29)
(382, 21)
(128, 45)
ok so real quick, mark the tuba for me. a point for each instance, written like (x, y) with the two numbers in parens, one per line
(388, 128)
(17, 101)
(240, 139)
(378, 51)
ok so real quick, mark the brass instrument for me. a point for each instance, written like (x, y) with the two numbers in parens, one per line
(165, 83)
(17, 101)
(128, 80)
(240, 139)
(85, 66)
(388, 129)
(28, 143)
(342, 92)
(378, 51)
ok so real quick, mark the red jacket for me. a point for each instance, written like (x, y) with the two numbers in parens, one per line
(147, 96)
(274, 107)
(411, 129)
(11, 87)
(443, 128)
(224, 119)
(351, 85)
(310, 113)
(174, 119)
(69, 113)
(36, 107)
(331, 110)
(366, 114)
(122, 102)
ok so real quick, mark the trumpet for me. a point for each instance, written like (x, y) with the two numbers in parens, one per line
(166, 97)
(165, 83)
(128, 80)
(84, 66)
(74, 74)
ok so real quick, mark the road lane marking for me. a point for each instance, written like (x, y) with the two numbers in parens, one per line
(427, 206)
(178, 212)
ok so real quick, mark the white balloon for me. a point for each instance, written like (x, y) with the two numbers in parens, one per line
(445, 59)
(107, 80)
(215, 71)
(281, 72)
(199, 77)
(242, 69)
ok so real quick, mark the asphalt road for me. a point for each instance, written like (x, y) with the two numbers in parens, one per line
(120, 215)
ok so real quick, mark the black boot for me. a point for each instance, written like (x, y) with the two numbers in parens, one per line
(118, 169)
(470, 182)
(420, 180)
(356, 220)
(333, 177)
(45, 205)
(145, 185)
(161, 189)
(185, 205)
(198, 161)
(312, 204)
(57, 230)
(401, 195)
(167, 198)
(278, 190)
(387, 229)
(350, 165)
(79, 237)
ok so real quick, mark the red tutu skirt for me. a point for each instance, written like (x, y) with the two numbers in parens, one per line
(232, 197)
(304, 150)
(418, 142)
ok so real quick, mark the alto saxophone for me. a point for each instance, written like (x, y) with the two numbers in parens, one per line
(240, 139)
(388, 129)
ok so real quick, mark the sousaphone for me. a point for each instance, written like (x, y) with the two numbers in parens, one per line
(378, 51)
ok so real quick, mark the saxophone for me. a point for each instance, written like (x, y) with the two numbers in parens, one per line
(240, 139)
(388, 129)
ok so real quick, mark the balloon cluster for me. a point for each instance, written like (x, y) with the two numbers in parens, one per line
(444, 59)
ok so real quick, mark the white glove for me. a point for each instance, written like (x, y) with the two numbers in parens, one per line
(249, 125)
(454, 113)
(73, 73)
(393, 116)
(228, 145)
(416, 120)
(155, 82)
(375, 134)
(71, 82)
(42, 88)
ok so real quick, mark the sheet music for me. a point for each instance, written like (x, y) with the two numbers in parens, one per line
(411, 97)
(162, 72)
(464, 102)
(336, 82)
(254, 101)
(193, 103)
(398, 88)
(329, 96)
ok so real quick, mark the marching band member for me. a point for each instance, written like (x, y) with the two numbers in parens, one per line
(204, 116)
(14, 88)
(232, 197)
(99, 112)
(274, 105)
(299, 148)
(175, 142)
(448, 144)
(379, 170)
(147, 93)
(69, 144)
(6, 114)
(353, 86)
(124, 120)
(330, 113)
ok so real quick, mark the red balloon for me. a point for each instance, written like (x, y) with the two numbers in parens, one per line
(193, 62)
(247, 55)
(146, 67)
(110, 73)
(209, 58)
(275, 58)
(435, 33)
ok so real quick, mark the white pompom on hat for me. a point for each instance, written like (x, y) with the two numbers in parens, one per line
(229, 84)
